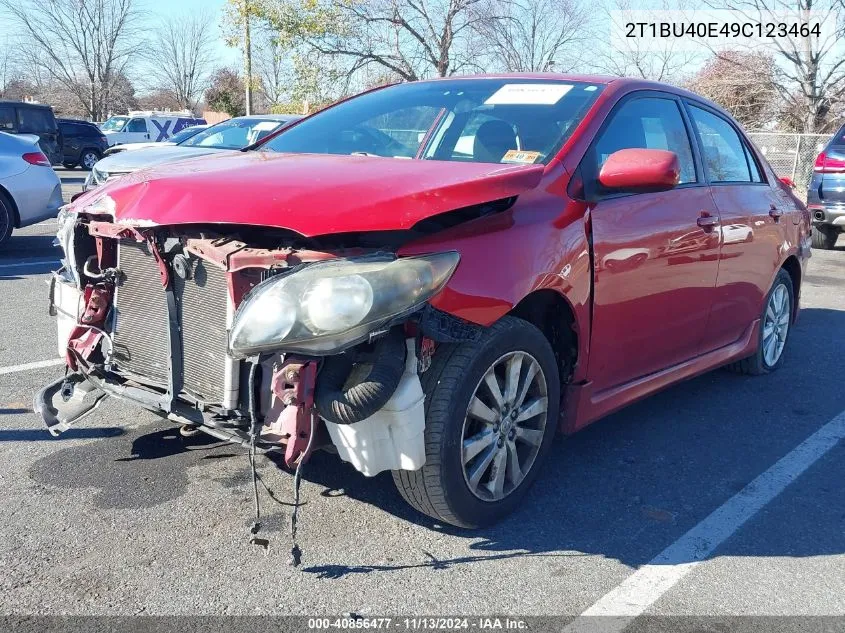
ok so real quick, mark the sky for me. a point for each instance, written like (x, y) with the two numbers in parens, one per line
(157, 9)
(160, 8)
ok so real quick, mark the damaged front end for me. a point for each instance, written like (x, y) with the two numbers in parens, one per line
(249, 335)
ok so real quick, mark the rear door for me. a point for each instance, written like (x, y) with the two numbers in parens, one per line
(654, 265)
(41, 121)
(70, 142)
(753, 230)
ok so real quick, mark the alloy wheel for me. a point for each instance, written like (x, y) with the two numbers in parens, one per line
(776, 325)
(504, 426)
(89, 159)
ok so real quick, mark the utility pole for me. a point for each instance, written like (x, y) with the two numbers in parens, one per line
(247, 59)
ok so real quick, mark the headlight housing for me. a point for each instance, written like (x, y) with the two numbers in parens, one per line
(66, 221)
(325, 307)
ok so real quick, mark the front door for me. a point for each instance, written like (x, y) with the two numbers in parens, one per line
(136, 131)
(655, 253)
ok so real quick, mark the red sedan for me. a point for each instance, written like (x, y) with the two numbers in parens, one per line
(433, 278)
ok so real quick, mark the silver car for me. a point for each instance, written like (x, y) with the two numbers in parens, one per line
(231, 135)
(30, 191)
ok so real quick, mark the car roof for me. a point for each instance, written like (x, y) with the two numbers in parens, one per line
(26, 104)
(269, 117)
(618, 84)
(80, 121)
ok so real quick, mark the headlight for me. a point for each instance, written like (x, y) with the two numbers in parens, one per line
(66, 221)
(325, 307)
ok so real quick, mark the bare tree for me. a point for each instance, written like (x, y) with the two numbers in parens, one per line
(272, 67)
(83, 45)
(408, 39)
(744, 83)
(631, 58)
(810, 69)
(182, 56)
(535, 35)
(8, 66)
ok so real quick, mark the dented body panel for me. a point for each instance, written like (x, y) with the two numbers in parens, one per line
(648, 287)
(310, 194)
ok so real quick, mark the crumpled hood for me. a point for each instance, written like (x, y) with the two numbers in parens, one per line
(149, 156)
(312, 194)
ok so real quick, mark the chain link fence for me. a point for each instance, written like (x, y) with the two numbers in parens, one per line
(791, 155)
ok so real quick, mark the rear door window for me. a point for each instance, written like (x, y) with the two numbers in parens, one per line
(648, 123)
(725, 155)
(7, 118)
(35, 121)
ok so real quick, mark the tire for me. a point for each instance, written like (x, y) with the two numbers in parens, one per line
(824, 237)
(87, 159)
(68, 165)
(441, 488)
(7, 218)
(758, 364)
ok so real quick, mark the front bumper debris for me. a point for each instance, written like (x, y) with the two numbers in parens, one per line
(64, 402)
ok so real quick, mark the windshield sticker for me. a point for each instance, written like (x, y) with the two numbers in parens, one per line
(528, 94)
(266, 125)
(518, 156)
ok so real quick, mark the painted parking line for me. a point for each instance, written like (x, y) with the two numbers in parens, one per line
(621, 605)
(32, 263)
(13, 369)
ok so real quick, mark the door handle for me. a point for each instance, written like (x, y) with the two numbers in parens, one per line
(707, 221)
(775, 213)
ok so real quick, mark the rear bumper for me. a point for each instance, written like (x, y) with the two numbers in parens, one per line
(830, 213)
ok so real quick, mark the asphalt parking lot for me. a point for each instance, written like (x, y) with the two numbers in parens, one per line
(730, 486)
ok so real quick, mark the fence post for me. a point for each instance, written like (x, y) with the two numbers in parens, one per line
(797, 154)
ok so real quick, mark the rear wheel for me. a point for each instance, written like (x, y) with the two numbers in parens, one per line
(491, 414)
(774, 329)
(824, 237)
(88, 159)
(7, 218)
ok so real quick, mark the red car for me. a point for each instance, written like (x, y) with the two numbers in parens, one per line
(434, 278)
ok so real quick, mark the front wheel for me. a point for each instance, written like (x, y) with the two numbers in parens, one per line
(824, 237)
(7, 218)
(491, 413)
(775, 325)
(88, 159)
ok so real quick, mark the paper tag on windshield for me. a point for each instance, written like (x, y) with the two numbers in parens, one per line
(266, 125)
(528, 94)
(520, 157)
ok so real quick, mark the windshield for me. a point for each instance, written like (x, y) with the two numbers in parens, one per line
(185, 134)
(114, 124)
(233, 134)
(470, 120)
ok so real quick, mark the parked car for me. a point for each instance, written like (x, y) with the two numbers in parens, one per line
(140, 127)
(17, 117)
(82, 143)
(361, 282)
(230, 135)
(826, 193)
(30, 190)
(174, 139)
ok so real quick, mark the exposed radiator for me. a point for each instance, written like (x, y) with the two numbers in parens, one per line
(141, 341)
(141, 328)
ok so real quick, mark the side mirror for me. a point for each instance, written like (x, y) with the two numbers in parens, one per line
(637, 168)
